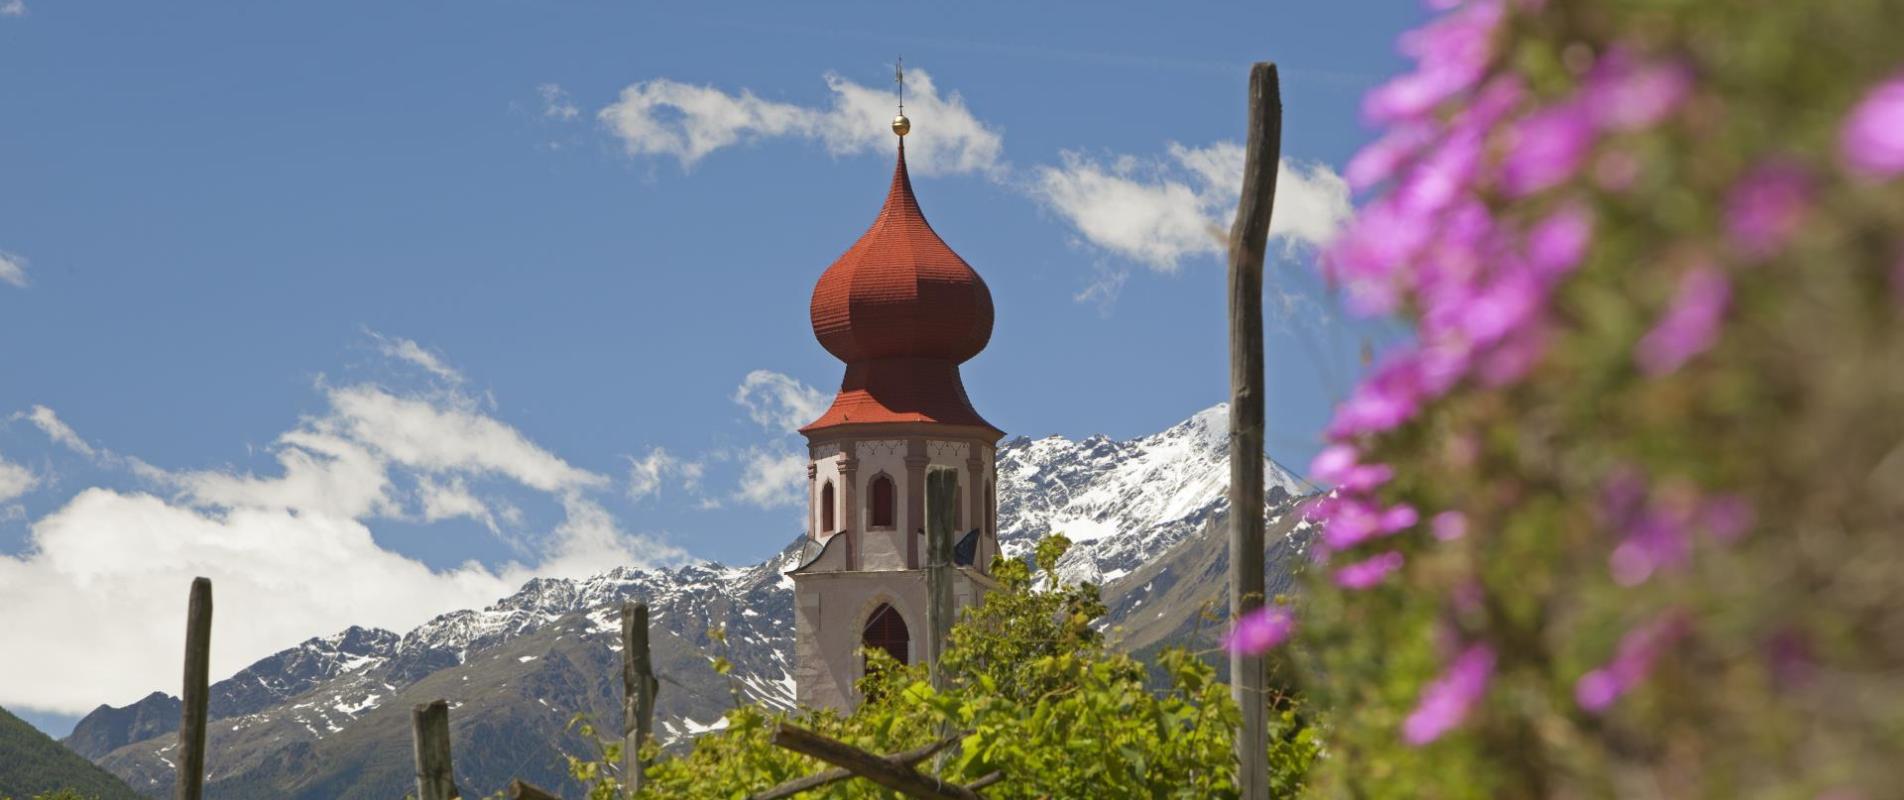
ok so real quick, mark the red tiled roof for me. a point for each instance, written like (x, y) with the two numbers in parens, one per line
(903, 311)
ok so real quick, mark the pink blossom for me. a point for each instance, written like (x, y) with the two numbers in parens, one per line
(1451, 54)
(1766, 206)
(1513, 358)
(1872, 139)
(1333, 462)
(1556, 244)
(1446, 702)
(1364, 477)
(1352, 521)
(1260, 630)
(1367, 257)
(1638, 649)
(1623, 95)
(1691, 323)
(1442, 176)
(1368, 572)
(1399, 517)
(1548, 147)
(1384, 400)
(1501, 308)
(1321, 508)
(1449, 525)
(1656, 541)
(1379, 160)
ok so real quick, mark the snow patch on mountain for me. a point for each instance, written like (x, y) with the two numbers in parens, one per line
(1122, 503)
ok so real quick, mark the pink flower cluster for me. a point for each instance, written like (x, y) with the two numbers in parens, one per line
(1872, 139)
(1259, 631)
(1632, 661)
(1656, 531)
(1445, 703)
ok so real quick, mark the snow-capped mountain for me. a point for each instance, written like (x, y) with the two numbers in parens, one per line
(1122, 503)
(329, 717)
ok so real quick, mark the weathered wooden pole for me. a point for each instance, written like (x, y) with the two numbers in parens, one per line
(909, 758)
(885, 772)
(1249, 239)
(638, 690)
(520, 790)
(196, 692)
(430, 730)
(942, 489)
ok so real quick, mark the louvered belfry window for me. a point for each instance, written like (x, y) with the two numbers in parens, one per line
(886, 630)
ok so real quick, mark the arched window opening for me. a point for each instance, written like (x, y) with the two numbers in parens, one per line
(886, 630)
(880, 498)
(826, 508)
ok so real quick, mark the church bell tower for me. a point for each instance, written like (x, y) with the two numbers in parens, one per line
(902, 501)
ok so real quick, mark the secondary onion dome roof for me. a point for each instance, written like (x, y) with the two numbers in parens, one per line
(903, 311)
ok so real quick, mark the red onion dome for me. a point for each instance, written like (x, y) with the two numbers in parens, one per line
(900, 292)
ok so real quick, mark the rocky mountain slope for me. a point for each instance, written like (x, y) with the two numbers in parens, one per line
(329, 718)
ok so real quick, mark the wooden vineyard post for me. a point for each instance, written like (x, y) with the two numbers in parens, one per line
(1249, 239)
(194, 694)
(889, 772)
(942, 491)
(430, 730)
(518, 790)
(638, 686)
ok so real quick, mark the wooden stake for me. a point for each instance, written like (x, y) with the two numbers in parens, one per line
(430, 730)
(638, 690)
(1249, 239)
(908, 758)
(942, 491)
(194, 695)
(897, 777)
(520, 790)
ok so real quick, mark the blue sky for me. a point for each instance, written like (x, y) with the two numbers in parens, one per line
(471, 292)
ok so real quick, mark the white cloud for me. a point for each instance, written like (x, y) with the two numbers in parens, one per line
(407, 350)
(780, 402)
(13, 8)
(12, 267)
(442, 436)
(57, 430)
(556, 103)
(668, 118)
(772, 478)
(100, 587)
(451, 499)
(646, 475)
(15, 480)
(1160, 211)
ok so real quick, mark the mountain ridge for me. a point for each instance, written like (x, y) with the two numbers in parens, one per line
(286, 722)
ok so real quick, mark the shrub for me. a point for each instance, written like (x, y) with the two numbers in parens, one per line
(1624, 518)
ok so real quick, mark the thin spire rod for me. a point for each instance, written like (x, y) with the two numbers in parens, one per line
(899, 77)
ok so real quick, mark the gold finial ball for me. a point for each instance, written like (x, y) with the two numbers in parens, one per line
(901, 125)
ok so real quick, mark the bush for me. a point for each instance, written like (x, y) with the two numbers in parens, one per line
(1046, 705)
(1624, 519)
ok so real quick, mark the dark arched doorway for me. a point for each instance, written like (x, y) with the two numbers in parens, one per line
(886, 630)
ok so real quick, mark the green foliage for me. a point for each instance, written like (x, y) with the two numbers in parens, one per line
(1041, 699)
(1789, 678)
(34, 765)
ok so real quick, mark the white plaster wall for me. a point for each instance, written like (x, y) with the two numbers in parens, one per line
(830, 614)
(826, 467)
(883, 548)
